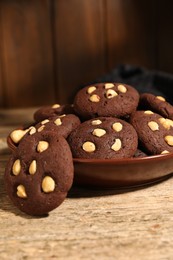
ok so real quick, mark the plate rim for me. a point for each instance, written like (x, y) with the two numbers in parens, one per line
(131, 160)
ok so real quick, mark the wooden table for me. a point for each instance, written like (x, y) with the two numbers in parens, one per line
(90, 224)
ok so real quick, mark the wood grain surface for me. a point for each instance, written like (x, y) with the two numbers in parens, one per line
(79, 38)
(26, 52)
(131, 32)
(90, 224)
(2, 87)
(164, 35)
(50, 48)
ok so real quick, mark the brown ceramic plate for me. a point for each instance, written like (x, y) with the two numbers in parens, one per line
(117, 173)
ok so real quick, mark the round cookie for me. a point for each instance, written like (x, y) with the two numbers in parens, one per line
(103, 138)
(157, 104)
(62, 125)
(39, 173)
(106, 99)
(155, 133)
(51, 111)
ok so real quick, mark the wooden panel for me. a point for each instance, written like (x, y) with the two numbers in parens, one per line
(80, 44)
(1, 87)
(27, 53)
(131, 32)
(165, 35)
(1, 68)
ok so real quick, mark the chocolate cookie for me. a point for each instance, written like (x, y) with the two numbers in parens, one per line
(157, 104)
(106, 99)
(62, 125)
(155, 133)
(39, 173)
(103, 138)
(51, 111)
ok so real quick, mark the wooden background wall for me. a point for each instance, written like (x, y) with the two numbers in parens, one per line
(48, 48)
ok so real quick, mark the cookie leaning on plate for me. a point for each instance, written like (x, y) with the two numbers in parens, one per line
(155, 133)
(39, 173)
(103, 138)
(106, 99)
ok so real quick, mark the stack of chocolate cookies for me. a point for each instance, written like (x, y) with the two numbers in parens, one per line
(105, 121)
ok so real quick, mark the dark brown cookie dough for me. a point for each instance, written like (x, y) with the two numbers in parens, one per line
(106, 99)
(51, 111)
(39, 173)
(155, 133)
(157, 104)
(103, 138)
